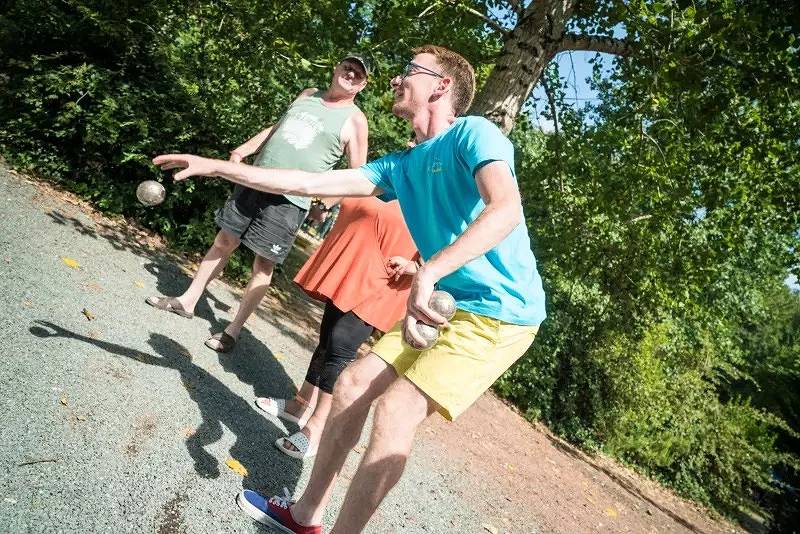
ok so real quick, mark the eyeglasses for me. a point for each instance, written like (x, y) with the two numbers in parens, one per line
(411, 67)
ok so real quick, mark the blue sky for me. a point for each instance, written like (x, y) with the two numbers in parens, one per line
(575, 69)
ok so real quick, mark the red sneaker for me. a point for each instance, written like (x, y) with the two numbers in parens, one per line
(273, 512)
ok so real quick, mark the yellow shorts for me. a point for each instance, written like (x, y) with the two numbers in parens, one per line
(465, 361)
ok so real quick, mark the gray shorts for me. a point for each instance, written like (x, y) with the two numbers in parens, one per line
(267, 224)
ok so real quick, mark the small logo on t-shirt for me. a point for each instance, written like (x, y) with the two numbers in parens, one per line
(436, 166)
(275, 249)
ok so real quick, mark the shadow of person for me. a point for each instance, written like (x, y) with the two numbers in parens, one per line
(267, 468)
(172, 281)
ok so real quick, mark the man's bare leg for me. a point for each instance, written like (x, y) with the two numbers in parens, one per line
(211, 265)
(359, 384)
(253, 293)
(397, 415)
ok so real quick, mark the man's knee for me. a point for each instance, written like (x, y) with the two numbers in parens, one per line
(363, 381)
(226, 242)
(350, 387)
(402, 407)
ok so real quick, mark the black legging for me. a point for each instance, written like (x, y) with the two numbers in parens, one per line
(340, 335)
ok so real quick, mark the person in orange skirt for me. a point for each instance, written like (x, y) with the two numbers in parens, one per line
(362, 272)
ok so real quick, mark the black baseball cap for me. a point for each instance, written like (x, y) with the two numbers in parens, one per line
(361, 59)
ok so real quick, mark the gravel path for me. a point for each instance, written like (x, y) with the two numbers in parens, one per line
(116, 417)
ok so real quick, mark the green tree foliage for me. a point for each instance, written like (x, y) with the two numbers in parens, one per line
(664, 218)
(91, 90)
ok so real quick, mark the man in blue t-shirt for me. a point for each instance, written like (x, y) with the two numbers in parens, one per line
(458, 193)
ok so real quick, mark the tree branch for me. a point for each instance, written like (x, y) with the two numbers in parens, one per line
(516, 5)
(485, 18)
(553, 111)
(595, 43)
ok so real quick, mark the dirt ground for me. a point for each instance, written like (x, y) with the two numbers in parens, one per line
(506, 465)
(565, 489)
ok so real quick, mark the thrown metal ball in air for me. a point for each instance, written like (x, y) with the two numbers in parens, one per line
(151, 193)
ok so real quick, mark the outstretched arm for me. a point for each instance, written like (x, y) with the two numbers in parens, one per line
(337, 183)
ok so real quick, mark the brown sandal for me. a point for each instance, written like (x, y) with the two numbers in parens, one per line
(225, 342)
(170, 304)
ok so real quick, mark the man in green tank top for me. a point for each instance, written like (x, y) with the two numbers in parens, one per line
(312, 135)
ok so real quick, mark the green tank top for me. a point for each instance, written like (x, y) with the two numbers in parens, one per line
(306, 138)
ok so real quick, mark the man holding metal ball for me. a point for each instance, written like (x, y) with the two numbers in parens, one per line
(312, 135)
(460, 200)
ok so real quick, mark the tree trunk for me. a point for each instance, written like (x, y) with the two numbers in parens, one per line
(527, 51)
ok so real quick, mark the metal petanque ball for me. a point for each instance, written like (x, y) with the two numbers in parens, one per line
(151, 193)
(427, 332)
(443, 303)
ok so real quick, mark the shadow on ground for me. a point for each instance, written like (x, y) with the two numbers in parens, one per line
(171, 281)
(121, 236)
(268, 471)
(284, 303)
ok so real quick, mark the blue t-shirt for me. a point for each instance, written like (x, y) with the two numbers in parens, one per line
(435, 184)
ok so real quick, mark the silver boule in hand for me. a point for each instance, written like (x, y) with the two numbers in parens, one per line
(443, 303)
(151, 193)
(427, 332)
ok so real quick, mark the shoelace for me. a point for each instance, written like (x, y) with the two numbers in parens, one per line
(285, 501)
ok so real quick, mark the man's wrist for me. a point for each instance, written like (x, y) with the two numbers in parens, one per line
(428, 272)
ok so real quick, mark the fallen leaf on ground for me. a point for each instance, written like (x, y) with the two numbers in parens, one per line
(94, 334)
(69, 262)
(189, 432)
(63, 401)
(80, 417)
(279, 356)
(510, 468)
(89, 315)
(236, 466)
(610, 512)
(489, 528)
(138, 283)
